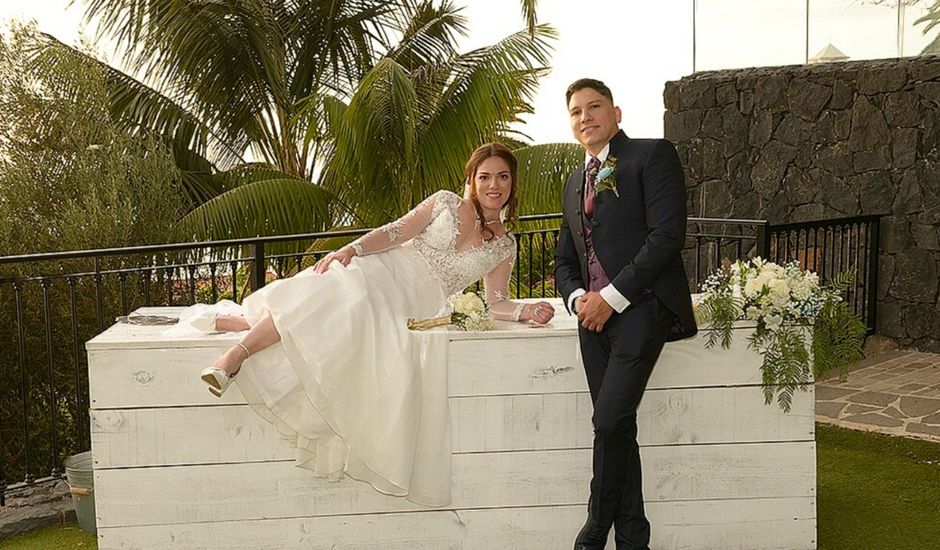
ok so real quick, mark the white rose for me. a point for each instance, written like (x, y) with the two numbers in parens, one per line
(457, 302)
(468, 303)
(762, 280)
(755, 284)
(812, 280)
(774, 321)
(751, 288)
(779, 287)
(801, 291)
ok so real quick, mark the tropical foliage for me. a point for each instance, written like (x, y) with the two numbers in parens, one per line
(930, 21)
(69, 179)
(287, 117)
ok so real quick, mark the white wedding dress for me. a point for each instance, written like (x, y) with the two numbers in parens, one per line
(349, 385)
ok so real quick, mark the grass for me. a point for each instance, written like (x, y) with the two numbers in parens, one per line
(67, 537)
(874, 492)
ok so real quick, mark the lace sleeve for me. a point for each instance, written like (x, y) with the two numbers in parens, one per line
(496, 283)
(399, 231)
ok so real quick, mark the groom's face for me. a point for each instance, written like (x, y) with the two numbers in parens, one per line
(594, 119)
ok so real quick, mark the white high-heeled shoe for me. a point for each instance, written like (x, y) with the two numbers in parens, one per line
(217, 379)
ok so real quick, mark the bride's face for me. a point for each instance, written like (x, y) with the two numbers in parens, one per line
(492, 183)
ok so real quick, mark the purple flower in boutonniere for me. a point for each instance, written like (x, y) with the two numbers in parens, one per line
(604, 178)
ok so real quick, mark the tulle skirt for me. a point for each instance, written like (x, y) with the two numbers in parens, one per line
(349, 386)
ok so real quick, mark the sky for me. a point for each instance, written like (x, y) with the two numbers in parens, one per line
(635, 46)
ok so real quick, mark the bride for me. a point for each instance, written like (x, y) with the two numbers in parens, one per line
(328, 358)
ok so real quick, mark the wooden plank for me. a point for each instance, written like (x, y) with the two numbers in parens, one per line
(230, 492)
(753, 524)
(123, 438)
(127, 336)
(153, 378)
(234, 433)
(666, 417)
(554, 365)
(135, 378)
(537, 365)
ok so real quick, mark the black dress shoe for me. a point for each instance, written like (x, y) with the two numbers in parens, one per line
(592, 536)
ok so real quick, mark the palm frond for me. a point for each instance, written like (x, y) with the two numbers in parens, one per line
(139, 109)
(429, 34)
(375, 145)
(332, 44)
(242, 66)
(528, 12)
(543, 170)
(931, 18)
(489, 89)
(279, 206)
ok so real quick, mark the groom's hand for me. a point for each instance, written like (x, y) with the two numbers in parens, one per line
(593, 311)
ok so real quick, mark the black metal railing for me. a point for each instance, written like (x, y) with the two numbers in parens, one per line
(58, 301)
(712, 241)
(832, 247)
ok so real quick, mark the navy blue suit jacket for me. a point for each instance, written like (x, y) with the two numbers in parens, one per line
(638, 237)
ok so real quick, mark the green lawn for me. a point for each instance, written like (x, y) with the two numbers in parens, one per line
(875, 492)
(52, 538)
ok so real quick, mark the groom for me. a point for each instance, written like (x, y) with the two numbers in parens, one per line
(619, 268)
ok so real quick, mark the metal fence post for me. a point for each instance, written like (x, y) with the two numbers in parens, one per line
(874, 248)
(763, 240)
(258, 270)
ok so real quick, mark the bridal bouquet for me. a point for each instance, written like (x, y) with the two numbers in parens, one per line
(789, 305)
(469, 313)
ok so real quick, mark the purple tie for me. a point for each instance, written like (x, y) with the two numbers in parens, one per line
(592, 167)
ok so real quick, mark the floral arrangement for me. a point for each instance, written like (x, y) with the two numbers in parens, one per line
(469, 313)
(789, 305)
(604, 178)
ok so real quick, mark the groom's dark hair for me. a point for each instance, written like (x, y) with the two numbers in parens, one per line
(583, 83)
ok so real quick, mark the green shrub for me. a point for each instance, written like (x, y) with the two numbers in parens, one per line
(69, 180)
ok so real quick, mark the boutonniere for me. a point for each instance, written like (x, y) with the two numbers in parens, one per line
(604, 178)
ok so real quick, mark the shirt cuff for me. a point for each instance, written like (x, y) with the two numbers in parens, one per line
(614, 298)
(574, 296)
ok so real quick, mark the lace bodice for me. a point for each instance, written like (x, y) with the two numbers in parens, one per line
(457, 257)
(438, 244)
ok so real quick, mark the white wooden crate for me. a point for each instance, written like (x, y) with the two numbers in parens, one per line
(177, 468)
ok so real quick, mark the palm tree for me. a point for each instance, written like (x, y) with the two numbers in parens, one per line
(931, 19)
(276, 79)
(413, 118)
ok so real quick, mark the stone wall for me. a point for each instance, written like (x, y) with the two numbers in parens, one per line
(811, 142)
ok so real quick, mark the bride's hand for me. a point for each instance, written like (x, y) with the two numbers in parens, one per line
(539, 312)
(343, 256)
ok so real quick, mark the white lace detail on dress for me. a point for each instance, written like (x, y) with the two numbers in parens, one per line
(398, 231)
(393, 230)
(437, 245)
(517, 313)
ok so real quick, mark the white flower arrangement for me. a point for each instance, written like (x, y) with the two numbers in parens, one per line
(469, 313)
(788, 304)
